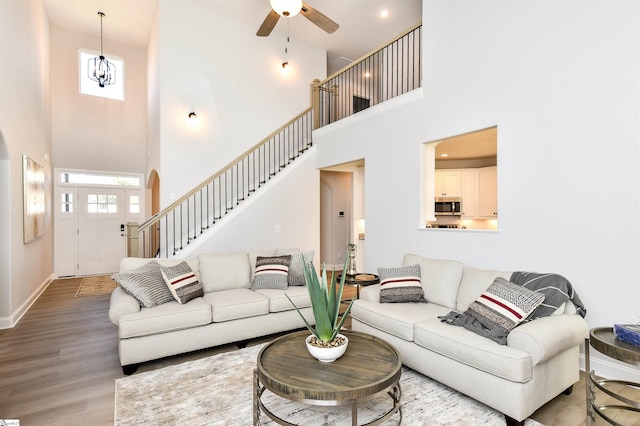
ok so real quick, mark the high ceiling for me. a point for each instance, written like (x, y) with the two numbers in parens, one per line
(361, 27)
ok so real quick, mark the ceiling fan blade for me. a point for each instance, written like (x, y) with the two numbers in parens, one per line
(268, 24)
(318, 18)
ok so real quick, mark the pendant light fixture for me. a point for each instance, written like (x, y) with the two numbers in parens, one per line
(285, 61)
(99, 68)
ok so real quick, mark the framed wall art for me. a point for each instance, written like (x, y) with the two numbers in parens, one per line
(34, 202)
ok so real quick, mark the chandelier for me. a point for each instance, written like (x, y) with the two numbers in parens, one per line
(99, 68)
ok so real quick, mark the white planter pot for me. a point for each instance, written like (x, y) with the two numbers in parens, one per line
(327, 354)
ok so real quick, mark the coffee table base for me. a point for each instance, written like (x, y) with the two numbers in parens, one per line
(395, 392)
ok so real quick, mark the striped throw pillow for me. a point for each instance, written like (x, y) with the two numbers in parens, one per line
(182, 282)
(504, 305)
(271, 272)
(401, 284)
(145, 284)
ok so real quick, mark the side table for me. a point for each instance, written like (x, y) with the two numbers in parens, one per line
(359, 279)
(604, 341)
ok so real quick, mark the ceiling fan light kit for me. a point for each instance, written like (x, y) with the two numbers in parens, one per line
(286, 8)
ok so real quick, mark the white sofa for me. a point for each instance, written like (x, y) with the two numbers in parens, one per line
(539, 361)
(230, 310)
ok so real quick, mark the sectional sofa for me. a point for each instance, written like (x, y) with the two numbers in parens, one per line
(229, 304)
(538, 360)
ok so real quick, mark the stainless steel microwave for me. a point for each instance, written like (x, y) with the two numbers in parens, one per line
(448, 206)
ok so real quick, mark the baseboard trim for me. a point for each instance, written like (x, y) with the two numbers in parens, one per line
(610, 368)
(12, 320)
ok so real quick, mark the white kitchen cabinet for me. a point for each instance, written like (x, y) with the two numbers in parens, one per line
(487, 192)
(448, 183)
(469, 194)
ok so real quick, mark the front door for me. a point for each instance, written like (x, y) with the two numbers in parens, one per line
(101, 230)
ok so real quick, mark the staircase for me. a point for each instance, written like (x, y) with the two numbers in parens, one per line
(385, 73)
(174, 228)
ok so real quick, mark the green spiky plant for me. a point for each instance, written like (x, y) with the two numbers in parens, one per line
(325, 301)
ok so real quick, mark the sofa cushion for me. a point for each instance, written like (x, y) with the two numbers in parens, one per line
(182, 282)
(272, 272)
(400, 284)
(227, 305)
(278, 301)
(397, 319)
(440, 278)
(471, 349)
(474, 283)
(503, 306)
(145, 283)
(164, 318)
(224, 271)
(298, 260)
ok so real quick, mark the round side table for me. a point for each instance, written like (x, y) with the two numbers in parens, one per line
(359, 279)
(604, 341)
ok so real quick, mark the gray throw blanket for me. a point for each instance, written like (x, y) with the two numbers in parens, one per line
(556, 289)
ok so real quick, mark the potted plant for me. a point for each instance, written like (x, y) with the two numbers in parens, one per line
(325, 342)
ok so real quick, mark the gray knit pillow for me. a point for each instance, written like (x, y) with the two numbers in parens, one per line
(271, 272)
(146, 284)
(298, 260)
(401, 284)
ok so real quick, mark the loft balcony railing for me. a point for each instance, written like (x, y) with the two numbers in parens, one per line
(387, 72)
(175, 227)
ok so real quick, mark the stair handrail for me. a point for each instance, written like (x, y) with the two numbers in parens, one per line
(167, 232)
(153, 219)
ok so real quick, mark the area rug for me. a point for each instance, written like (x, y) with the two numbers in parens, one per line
(96, 285)
(218, 390)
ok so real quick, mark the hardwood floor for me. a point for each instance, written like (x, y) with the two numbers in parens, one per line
(58, 365)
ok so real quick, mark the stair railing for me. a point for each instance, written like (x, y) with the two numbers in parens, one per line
(387, 72)
(175, 227)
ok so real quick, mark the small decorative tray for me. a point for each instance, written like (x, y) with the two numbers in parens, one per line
(366, 277)
(629, 333)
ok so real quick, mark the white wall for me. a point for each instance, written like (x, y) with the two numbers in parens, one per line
(240, 98)
(90, 132)
(561, 82)
(24, 129)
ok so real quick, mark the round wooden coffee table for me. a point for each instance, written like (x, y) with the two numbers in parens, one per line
(370, 367)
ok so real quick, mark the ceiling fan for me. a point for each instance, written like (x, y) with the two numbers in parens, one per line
(289, 8)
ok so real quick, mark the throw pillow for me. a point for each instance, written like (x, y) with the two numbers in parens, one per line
(271, 272)
(145, 284)
(401, 284)
(504, 305)
(182, 282)
(298, 260)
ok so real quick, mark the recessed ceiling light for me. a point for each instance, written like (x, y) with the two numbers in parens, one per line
(444, 155)
(384, 13)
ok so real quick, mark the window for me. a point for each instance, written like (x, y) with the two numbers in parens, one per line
(102, 203)
(66, 203)
(134, 204)
(91, 87)
(97, 179)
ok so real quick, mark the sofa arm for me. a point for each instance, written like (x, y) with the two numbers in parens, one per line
(370, 293)
(121, 303)
(546, 337)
